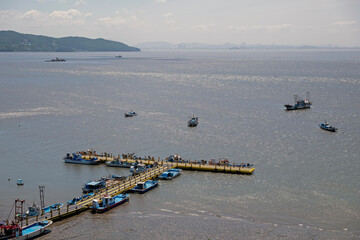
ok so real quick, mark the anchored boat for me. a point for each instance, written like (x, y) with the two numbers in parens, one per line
(78, 159)
(137, 169)
(170, 174)
(119, 163)
(20, 182)
(299, 103)
(327, 127)
(93, 186)
(108, 202)
(143, 187)
(193, 122)
(130, 114)
(14, 231)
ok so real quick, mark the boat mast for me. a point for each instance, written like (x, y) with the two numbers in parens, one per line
(42, 202)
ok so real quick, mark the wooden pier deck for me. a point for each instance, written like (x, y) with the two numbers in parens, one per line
(198, 166)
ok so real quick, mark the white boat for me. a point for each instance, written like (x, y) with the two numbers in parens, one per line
(13, 231)
(20, 182)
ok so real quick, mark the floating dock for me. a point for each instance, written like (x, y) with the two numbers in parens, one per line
(185, 165)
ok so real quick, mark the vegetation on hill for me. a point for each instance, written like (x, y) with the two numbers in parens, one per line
(11, 41)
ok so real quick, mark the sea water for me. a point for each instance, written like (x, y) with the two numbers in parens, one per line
(306, 182)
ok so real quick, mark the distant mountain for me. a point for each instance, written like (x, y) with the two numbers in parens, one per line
(11, 41)
(156, 45)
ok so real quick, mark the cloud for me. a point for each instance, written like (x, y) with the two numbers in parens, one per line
(32, 14)
(169, 14)
(345, 23)
(161, 1)
(261, 27)
(80, 2)
(69, 14)
(202, 27)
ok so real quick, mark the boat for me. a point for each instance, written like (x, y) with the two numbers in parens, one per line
(193, 122)
(130, 114)
(53, 207)
(119, 163)
(78, 159)
(118, 56)
(138, 168)
(327, 127)
(143, 187)
(170, 174)
(14, 231)
(56, 60)
(20, 182)
(32, 211)
(93, 186)
(299, 103)
(108, 202)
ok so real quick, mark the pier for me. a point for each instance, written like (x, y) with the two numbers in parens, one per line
(182, 164)
(118, 187)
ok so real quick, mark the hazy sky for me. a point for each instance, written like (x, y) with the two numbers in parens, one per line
(295, 22)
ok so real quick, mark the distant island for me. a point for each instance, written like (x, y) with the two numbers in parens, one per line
(11, 41)
(227, 46)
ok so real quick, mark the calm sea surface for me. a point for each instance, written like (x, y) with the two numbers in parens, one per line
(307, 181)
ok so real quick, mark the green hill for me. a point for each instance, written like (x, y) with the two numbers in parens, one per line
(11, 41)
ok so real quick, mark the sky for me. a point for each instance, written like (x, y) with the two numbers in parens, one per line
(280, 22)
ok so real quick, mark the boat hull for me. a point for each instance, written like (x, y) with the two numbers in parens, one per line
(105, 209)
(292, 107)
(85, 162)
(142, 191)
(39, 228)
(119, 164)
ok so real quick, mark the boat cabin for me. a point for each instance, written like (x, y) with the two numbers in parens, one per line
(93, 186)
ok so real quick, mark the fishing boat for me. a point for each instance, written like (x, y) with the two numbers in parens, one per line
(137, 169)
(32, 211)
(193, 122)
(119, 163)
(56, 60)
(20, 182)
(93, 186)
(170, 174)
(327, 127)
(78, 159)
(130, 114)
(14, 231)
(53, 207)
(299, 103)
(108, 202)
(143, 187)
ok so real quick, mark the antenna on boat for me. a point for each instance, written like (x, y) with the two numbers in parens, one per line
(42, 202)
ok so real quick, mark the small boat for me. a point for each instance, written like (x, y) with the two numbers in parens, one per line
(108, 202)
(143, 187)
(193, 122)
(299, 103)
(53, 207)
(327, 127)
(20, 182)
(78, 159)
(170, 174)
(93, 186)
(118, 56)
(34, 230)
(130, 114)
(119, 163)
(139, 168)
(56, 60)
(34, 210)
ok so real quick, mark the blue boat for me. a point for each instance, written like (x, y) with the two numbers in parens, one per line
(143, 187)
(107, 202)
(193, 122)
(78, 159)
(34, 230)
(170, 174)
(78, 199)
(53, 207)
(327, 127)
(130, 114)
